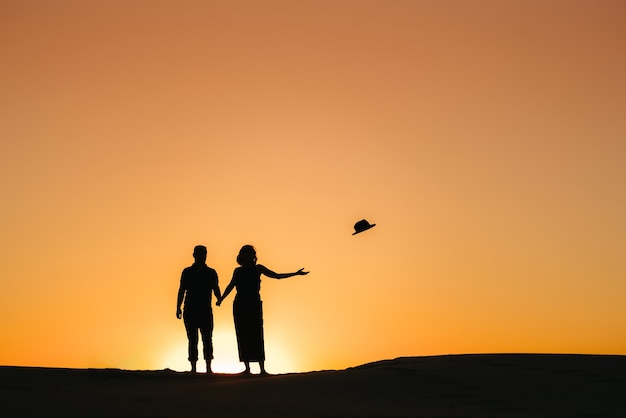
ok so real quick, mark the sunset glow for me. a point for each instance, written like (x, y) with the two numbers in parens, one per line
(486, 139)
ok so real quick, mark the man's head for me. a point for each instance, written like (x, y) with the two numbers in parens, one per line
(199, 253)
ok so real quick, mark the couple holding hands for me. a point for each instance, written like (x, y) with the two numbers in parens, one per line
(199, 281)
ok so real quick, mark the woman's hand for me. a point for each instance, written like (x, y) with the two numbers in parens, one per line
(301, 272)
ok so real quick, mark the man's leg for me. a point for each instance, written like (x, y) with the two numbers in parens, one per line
(207, 342)
(192, 337)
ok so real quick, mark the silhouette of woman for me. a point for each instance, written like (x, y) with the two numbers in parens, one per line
(247, 307)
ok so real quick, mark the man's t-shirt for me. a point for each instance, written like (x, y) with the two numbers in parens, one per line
(198, 281)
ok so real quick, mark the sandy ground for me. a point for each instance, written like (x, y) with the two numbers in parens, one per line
(489, 385)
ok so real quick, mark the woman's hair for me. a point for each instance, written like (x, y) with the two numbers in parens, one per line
(247, 255)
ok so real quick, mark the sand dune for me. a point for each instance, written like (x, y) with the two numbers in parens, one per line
(489, 385)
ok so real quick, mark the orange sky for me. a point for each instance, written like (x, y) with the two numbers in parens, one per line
(486, 139)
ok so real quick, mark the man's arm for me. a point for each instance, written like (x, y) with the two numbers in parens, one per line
(181, 296)
(216, 288)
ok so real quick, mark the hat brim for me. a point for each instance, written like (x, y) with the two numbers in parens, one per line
(364, 229)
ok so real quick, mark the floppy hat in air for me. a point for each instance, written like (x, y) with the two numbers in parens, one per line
(361, 226)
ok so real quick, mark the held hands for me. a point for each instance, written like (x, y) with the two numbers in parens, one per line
(219, 301)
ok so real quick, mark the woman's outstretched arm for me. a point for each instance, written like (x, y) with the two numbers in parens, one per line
(269, 273)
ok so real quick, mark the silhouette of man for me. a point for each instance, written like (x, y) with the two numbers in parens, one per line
(197, 283)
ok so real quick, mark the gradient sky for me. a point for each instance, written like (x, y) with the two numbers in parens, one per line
(486, 139)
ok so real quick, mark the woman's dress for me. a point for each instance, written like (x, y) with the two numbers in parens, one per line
(248, 314)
